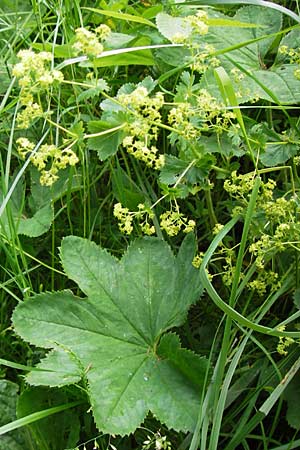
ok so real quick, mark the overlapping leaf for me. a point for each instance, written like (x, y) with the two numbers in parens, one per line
(116, 332)
(254, 76)
(8, 398)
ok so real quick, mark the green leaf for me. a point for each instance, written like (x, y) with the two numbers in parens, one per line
(292, 397)
(268, 22)
(107, 144)
(114, 333)
(281, 83)
(191, 365)
(276, 148)
(256, 77)
(94, 91)
(38, 224)
(130, 56)
(170, 26)
(173, 56)
(296, 298)
(221, 144)
(58, 431)
(277, 154)
(126, 190)
(68, 181)
(59, 368)
(174, 168)
(59, 50)
(250, 56)
(261, 3)
(291, 40)
(8, 398)
(118, 40)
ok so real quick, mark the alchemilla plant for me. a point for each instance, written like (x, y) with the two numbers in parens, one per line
(149, 225)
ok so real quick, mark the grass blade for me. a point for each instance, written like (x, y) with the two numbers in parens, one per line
(36, 416)
(121, 16)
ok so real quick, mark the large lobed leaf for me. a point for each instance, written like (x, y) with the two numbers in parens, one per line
(113, 337)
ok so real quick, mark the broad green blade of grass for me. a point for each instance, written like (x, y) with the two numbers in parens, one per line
(80, 59)
(290, 446)
(230, 100)
(20, 174)
(121, 16)
(266, 407)
(36, 416)
(219, 397)
(14, 365)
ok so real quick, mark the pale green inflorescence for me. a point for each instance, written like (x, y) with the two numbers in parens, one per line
(294, 57)
(171, 221)
(49, 159)
(282, 229)
(35, 75)
(284, 343)
(174, 221)
(142, 127)
(90, 43)
(156, 442)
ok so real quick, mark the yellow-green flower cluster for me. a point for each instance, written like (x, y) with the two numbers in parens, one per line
(237, 75)
(213, 113)
(142, 126)
(173, 221)
(294, 57)
(28, 114)
(284, 343)
(35, 75)
(204, 59)
(285, 235)
(179, 118)
(193, 25)
(49, 159)
(264, 279)
(188, 121)
(280, 210)
(240, 186)
(126, 218)
(198, 22)
(34, 70)
(229, 257)
(91, 43)
(281, 229)
(197, 260)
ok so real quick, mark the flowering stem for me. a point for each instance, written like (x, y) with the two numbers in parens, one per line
(61, 128)
(102, 133)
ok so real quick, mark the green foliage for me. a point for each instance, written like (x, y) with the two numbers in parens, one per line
(114, 335)
(8, 396)
(253, 74)
(53, 432)
(122, 119)
(291, 396)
